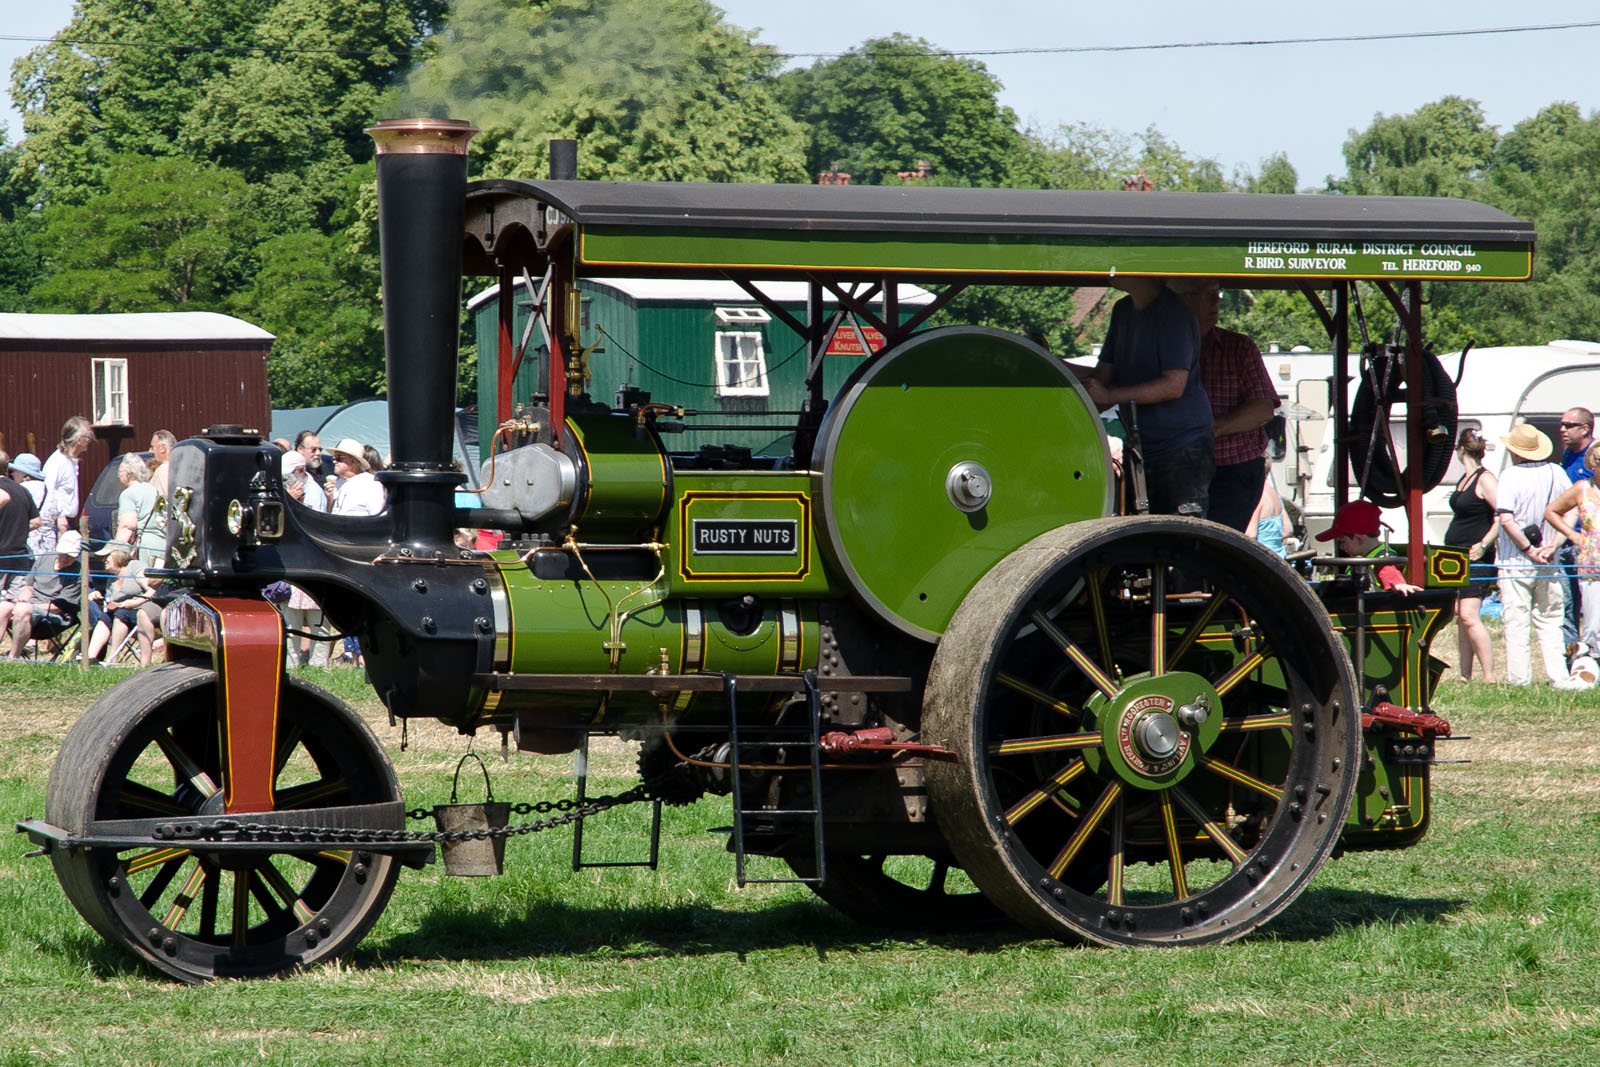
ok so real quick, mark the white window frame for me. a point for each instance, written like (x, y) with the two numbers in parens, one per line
(731, 316)
(741, 373)
(109, 385)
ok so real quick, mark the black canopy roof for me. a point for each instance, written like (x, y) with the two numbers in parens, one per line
(1043, 212)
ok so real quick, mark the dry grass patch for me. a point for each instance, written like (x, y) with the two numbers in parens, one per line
(506, 987)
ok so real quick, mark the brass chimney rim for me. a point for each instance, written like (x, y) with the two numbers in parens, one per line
(422, 137)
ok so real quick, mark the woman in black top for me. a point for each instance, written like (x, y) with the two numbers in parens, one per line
(1474, 526)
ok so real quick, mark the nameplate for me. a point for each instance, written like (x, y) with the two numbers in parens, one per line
(745, 537)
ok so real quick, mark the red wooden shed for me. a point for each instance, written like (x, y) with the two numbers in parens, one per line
(130, 374)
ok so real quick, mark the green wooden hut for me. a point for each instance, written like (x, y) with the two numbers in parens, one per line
(706, 346)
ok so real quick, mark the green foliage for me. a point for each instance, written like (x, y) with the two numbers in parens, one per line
(260, 86)
(20, 222)
(1441, 149)
(1044, 313)
(1546, 170)
(894, 100)
(1169, 169)
(166, 235)
(1075, 156)
(323, 308)
(319, 294)
(1274, 316)
(1277, 175)
(652, 90)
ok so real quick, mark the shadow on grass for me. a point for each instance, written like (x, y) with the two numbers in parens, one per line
(557, 928)
(1321, 913)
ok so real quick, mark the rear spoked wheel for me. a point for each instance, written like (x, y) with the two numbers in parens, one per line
(900, 892)
(1156, 729)
(150, 747)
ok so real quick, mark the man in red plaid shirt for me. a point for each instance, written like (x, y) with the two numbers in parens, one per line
(1242, 402)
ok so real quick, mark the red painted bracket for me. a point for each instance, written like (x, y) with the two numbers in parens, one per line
(880, 739)
(249, 663)
(1425, 723)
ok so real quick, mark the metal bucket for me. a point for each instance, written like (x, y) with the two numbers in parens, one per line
(474, 856)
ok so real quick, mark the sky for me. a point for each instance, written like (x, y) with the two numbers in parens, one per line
(1236, 104)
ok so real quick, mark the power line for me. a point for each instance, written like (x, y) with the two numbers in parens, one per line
(1359, 38)
(1404, 35)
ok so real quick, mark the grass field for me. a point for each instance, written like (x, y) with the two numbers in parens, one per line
(1480, 945)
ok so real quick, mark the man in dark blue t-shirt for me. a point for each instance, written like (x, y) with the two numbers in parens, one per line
(1148, 360)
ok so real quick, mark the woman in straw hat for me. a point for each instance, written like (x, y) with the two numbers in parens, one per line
(357, 491)
(1530, 592)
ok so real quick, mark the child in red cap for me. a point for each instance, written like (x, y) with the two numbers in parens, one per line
(1355, 533)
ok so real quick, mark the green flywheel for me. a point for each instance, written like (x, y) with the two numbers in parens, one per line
(945, 454)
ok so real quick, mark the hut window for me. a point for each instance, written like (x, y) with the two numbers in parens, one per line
(110, 391)
(741, 364)
(742, 317)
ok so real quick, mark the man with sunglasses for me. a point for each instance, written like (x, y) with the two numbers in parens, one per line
(1577, 434)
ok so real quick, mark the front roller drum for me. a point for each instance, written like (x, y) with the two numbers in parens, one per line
(1156, 728)
(149, 747)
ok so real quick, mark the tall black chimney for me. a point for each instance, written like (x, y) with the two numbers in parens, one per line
(563, 159)
(422, 179)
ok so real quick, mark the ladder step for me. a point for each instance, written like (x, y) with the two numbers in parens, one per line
(810, 736)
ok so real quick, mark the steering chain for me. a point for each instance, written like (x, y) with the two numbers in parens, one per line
(236, 830)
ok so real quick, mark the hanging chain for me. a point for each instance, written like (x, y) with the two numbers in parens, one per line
(571, 812)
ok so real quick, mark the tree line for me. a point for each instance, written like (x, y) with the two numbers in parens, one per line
(210, 156)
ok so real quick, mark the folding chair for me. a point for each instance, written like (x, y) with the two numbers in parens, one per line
(59, 635)
(53, 639)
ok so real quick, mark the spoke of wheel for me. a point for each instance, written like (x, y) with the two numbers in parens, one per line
(1234, 774)
(936, 882)
(159, 883)
(1158, 620)
(1086, 826)
(287, 743)
(140, 797)
(257, 882)
(1242, 670)
(1245, 724)
(1079, 658)
(307, 794)
(1115, 861)
(1196, 628)
(1169, 830)
(185, 897)
(1033, 799)
(208, 909)
(1209, 825)
(1011, 681)
(286, 892)
(1046, 743)
(1097, 608)
(241, 908)
(188, 768)
(145, 860)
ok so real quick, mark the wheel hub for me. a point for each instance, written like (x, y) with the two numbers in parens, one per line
(1153, 728)
(1157, 737)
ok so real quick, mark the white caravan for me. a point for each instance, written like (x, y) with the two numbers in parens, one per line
(1500, 388)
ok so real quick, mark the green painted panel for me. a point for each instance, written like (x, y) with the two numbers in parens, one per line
(562, 627)
(949, 399)
(1011, 254)
(741, 523)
